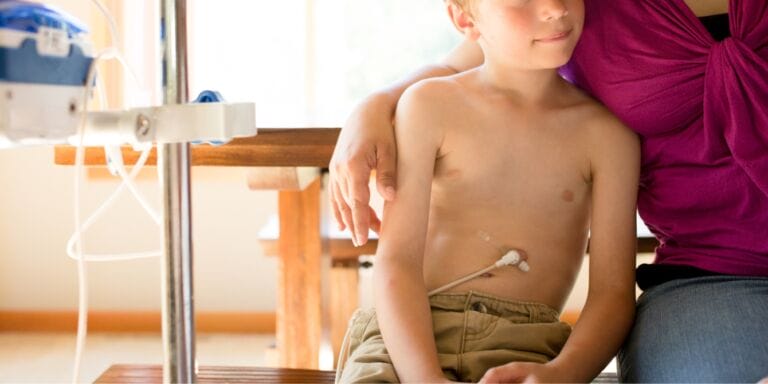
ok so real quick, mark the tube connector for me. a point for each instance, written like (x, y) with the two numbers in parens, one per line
(513, 257)
(510, 258)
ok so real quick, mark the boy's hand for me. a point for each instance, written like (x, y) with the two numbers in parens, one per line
(524, 373)
(366, 143)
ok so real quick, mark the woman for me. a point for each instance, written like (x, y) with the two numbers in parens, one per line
(691, 78)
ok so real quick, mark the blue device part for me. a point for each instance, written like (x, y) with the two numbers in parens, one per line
(29, 17)
(24, 64)
(209, 97)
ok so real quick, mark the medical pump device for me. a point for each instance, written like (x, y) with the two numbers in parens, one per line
(45, 57)
(44, 60)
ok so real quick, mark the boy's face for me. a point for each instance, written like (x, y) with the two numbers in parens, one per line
(530, 34)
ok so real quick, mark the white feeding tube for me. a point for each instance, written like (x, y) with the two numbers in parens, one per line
(510, 258)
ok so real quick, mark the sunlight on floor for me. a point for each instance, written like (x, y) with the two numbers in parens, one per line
(48, 357)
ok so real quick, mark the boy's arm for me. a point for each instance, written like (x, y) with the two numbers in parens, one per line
(402, 307)
(610, 308)
(609, 311)
(367, 143)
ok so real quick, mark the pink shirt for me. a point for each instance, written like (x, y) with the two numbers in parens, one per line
(701, 110)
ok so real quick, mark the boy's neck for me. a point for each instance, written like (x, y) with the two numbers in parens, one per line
(530, 85)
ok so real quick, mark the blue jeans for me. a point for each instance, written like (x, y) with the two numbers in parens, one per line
(705, 329)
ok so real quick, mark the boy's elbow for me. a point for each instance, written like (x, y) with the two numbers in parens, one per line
(624, 308)
(391, 272)
(620, 301)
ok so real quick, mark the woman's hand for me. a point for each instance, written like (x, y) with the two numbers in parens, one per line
(524, 373)
(366, 143)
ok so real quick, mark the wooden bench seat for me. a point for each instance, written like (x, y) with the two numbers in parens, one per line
(146, 374)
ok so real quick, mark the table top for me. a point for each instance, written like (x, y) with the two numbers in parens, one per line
(270, 147)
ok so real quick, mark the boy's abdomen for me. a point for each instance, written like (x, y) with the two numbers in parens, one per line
(554, 247)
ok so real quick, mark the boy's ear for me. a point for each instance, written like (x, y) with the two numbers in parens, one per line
(462, 20)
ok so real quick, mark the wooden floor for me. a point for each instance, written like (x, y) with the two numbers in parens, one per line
(144, 374)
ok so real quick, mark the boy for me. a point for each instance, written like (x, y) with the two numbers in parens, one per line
(505, 157)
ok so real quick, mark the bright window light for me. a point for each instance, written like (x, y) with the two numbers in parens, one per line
(307, 62)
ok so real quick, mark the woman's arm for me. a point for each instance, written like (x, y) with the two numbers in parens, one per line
(402, 306)
(367, 143)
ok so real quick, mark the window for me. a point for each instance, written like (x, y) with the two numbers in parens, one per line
(307, 62)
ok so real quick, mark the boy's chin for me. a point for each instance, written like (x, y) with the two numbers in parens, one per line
(555, 61)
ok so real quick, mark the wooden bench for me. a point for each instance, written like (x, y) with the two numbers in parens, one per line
(146, 374)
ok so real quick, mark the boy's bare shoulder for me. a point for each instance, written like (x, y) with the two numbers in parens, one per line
(608, 139)
(600, 124)
(425, 110)
(433, 92)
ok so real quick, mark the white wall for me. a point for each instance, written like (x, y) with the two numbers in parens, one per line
(36, 219)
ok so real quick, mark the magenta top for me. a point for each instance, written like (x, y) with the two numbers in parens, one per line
(700, 108)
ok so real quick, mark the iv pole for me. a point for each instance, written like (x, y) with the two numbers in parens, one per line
(174, 168)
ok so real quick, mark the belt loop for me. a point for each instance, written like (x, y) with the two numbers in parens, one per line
(533, 314)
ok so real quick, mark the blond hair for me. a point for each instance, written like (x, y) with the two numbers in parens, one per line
(465, 5)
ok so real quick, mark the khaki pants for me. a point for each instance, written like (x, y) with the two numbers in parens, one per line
(473, 332)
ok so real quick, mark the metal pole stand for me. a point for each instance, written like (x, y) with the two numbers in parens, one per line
(173, 164)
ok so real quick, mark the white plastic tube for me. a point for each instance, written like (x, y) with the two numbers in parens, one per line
(510, 258)
(74, 245)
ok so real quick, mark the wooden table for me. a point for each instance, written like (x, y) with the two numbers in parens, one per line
(300, 245)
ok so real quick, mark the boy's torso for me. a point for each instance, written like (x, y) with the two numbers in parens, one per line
(520, 175)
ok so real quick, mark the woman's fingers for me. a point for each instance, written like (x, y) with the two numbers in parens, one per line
(333, 196)
(359, 199)
(351, 194)
(344, 211)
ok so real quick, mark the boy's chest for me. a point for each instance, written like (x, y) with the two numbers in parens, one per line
(533, 164)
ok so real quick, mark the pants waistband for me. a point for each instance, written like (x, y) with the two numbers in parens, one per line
(485, 303)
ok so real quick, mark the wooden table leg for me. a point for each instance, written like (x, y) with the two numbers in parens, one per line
(299, 319)
(343, 301)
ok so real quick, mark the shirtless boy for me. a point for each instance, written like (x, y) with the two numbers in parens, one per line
(506, 159)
